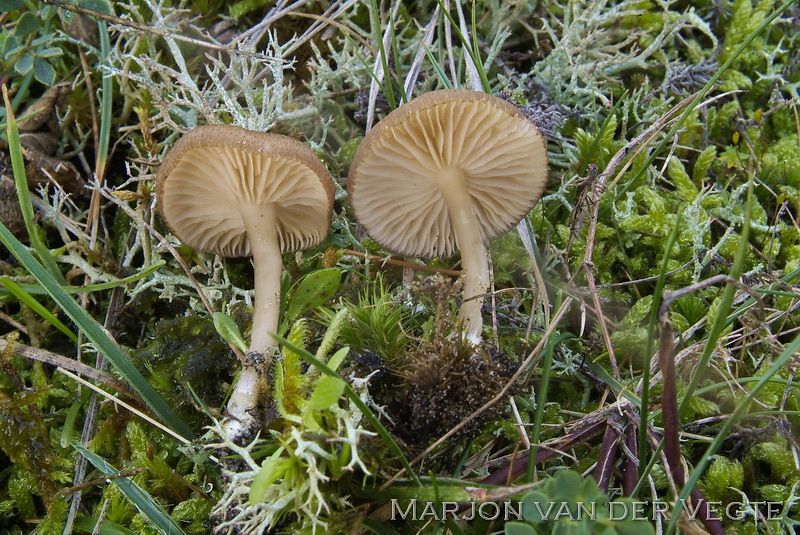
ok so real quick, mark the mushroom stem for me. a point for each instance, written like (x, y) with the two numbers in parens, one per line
(474, 255)
(262, 231)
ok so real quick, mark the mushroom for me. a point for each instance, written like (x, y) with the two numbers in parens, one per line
(234, 192)
(450, 171)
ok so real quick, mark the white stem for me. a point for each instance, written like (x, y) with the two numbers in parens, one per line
(474, 256)
(262, 231)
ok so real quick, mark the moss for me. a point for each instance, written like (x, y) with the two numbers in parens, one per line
(186, 354)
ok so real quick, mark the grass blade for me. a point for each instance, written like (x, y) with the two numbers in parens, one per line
(135, 494)
(37, 307)
(438, 68)
(96, 335)
(467, 46)
(21, 183)
(36, 289)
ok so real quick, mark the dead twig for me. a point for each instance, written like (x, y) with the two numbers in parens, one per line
(72, 365)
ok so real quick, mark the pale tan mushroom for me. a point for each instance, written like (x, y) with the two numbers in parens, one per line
(234, 192)
(450, 171)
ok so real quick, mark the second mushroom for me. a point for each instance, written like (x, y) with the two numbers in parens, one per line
(450, 171)
(235, 192)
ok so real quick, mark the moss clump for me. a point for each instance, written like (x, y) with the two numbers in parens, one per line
(186, 354)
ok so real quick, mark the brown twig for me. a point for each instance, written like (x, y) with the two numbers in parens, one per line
(72, 365)
(608, 455)
(100, 480)
(630, 476)
(519, 465)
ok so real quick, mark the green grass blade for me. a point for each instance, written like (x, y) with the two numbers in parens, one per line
(396, 56)
(96, 335)
(722, 435)
(541, 401)
(468, 47)
(25, 204)
(438, 68)
(353, 396)
(386, 83)
(88, 523)
(135, 494)
(37, 307)
(36, 289)
(105, 102)
(476, 53)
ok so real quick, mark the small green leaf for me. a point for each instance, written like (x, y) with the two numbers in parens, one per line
(329, 389)
(229, 331)
(24, 64)
(273, 468)
(26, 25)
(313, 291)
(49, 52)
(519, 528)
(535, 505)
(44, 72)
(702, 164)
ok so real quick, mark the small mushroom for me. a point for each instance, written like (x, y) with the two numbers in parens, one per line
(450, 171)
(234, 192)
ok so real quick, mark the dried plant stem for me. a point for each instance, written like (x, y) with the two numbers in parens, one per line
(73, 365)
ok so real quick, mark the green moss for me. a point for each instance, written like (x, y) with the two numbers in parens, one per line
(186, 354)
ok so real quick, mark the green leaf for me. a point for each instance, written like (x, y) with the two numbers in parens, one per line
(272, 469)
(229, 331)
(686, 189)
(11, 5)
(36, 289)
(535, 505)
(24, 64)
(135, 494)
(519, 528)
(96, 335)
(313, 291)
(49, 52)
(329, 389)
(26, 24)
(44, 72)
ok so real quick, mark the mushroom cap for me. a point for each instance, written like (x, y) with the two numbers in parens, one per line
(213, 170)
(392, 183)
